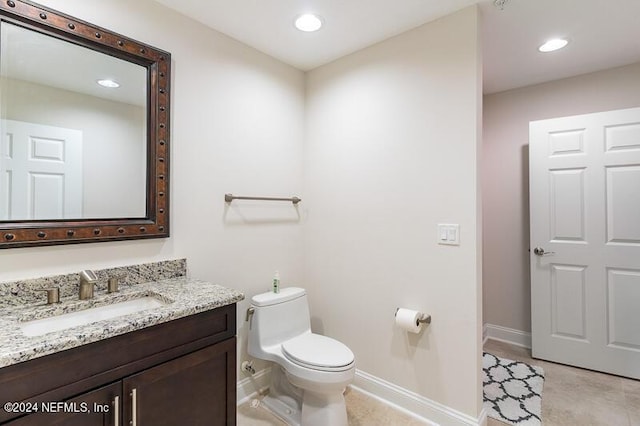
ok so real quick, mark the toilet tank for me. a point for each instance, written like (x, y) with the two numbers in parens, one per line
(277, 317)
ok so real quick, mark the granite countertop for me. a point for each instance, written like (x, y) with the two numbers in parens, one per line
(183, 297)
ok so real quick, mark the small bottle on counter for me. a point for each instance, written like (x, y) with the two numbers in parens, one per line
(276, 282)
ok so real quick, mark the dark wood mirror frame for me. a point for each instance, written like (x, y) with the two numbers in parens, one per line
(29, 233)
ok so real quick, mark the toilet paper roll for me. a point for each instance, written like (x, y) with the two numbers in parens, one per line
(408, 320)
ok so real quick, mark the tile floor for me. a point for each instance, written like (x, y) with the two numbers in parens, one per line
(571, 397)
(362, 410)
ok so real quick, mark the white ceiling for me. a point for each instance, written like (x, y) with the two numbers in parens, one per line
(603, 33)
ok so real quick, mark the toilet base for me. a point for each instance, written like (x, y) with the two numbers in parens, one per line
(297, 406)
(282, 410)
(320, 409)
(284, 399)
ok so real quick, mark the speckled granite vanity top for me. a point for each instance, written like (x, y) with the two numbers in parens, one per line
(182, 297)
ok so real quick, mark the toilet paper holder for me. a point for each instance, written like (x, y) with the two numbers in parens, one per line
(424, 318)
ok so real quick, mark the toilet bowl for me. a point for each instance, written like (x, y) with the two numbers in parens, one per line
(311, 371)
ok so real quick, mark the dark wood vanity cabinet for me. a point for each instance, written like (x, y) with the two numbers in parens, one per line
(186, 391)
(182, 372)
(79, 411)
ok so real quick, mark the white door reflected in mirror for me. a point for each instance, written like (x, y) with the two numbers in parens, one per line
(41, 172)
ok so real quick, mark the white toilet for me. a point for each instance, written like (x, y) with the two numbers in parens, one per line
(311, 371)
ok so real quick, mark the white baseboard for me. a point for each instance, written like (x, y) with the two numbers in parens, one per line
(429, 411)
(508, 335)
(249, 387)
(482, 420)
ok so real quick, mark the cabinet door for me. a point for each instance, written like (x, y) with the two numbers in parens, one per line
(197, 389)
(100, 407)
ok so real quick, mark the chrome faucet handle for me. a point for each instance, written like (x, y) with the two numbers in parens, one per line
(112, 284)
(53, 295)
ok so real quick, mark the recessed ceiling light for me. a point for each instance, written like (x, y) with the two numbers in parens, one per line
(308, 22)
(554, 44)
(108, 83)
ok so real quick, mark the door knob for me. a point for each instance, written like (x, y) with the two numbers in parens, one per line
(539, 251)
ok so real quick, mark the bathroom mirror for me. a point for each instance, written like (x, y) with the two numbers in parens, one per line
(84, 138)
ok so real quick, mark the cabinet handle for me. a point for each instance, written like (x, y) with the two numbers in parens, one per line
(116, 411)
(134, 408)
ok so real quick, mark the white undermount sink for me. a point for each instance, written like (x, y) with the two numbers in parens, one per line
(43, 326)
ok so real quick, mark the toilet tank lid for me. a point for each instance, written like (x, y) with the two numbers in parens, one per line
(271, 298)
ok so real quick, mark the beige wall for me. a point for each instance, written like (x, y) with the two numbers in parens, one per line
(237, 126)
(391, 151)
(505, 182)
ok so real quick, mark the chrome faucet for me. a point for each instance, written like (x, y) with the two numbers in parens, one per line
(87, 281)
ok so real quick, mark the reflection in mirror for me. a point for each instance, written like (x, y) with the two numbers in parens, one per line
(73, 125)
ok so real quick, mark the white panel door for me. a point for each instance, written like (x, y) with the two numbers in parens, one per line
(40, 172)
(585, 240)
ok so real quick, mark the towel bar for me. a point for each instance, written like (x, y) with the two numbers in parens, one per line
(230, 197)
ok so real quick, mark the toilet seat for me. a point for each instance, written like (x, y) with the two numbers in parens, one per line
(318, 352)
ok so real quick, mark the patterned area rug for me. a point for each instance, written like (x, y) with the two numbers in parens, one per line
(512, 391)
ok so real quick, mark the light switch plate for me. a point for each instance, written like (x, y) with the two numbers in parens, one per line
(449, 234)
